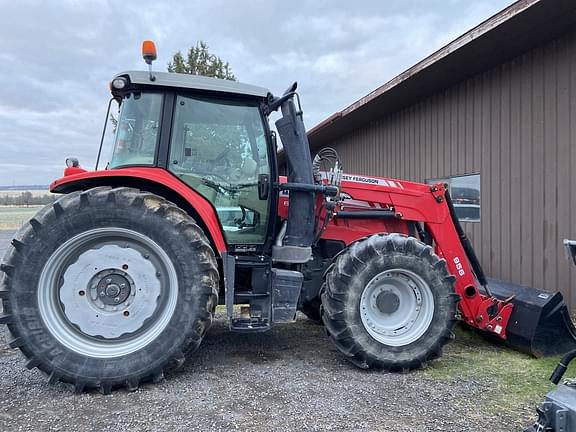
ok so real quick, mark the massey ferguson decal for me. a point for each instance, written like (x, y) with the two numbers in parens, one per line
(371, 180)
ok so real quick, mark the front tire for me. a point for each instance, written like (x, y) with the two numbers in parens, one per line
(108, 288)
(389, 303)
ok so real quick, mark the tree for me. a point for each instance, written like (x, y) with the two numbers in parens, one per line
(201, 62)
(213, 141)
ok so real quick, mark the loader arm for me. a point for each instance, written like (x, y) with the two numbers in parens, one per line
(389, 205)
(478, 309)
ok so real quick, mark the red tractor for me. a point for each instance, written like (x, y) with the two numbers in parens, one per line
(118, 280)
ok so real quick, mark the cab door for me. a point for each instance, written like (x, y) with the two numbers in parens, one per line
(219, 148)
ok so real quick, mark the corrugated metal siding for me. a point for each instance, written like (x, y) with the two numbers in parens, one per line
(513, 125)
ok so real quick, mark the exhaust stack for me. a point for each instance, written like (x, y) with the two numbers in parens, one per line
(296, 247)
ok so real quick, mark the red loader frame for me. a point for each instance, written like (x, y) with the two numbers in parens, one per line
(409, 204)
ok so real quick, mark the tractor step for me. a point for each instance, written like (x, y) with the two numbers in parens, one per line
(273, 296)
(249, 325)
(244, 295)
(251, 319)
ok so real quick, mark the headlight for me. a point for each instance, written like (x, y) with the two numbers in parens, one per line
(72, 163)
(119, 83)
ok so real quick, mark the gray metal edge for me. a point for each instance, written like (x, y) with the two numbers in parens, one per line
(188, 81)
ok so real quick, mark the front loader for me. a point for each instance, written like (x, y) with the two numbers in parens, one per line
(117, 281)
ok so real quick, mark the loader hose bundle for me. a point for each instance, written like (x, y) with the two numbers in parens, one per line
(327, 165)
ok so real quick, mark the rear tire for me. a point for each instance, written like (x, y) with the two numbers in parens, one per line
(108, 288)
(389, 303)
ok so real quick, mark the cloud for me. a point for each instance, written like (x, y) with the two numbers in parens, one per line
(58, 56)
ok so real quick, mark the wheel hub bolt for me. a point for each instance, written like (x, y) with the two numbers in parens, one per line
(112, 290)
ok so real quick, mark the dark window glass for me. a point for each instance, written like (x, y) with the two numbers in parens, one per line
(465, 193)
(137, 130)
(219, 149)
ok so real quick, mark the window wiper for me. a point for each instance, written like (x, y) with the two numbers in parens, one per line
(244, 185)
(218, 187)
(226, 187)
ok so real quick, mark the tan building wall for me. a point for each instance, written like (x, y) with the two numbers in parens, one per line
(516, 126)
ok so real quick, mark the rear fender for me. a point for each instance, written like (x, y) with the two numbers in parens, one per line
(157, 181)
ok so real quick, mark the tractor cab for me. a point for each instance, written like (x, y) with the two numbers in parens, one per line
(210, 134)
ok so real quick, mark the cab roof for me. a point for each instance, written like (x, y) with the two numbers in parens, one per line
(188, 81)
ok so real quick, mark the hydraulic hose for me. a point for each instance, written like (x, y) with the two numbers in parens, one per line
(561, 367)
(103, 133)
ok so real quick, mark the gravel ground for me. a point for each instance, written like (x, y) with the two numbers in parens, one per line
(289, 379)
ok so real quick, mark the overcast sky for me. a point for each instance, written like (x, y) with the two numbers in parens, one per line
(57, 57)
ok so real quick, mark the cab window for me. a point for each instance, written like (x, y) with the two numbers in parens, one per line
(219, 149)
(137, 130)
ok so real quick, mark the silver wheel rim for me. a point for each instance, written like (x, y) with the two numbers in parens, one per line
(107, 292)
(396, 307)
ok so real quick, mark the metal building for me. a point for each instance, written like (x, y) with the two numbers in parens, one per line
(494, 111)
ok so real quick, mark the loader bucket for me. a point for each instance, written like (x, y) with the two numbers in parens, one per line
(540, 323)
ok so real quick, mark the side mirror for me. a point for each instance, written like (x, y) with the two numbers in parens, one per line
(263, 186)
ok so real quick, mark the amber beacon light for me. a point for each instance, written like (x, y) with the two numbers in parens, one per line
(149, 54)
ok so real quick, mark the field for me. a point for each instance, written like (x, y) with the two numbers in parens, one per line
(14, 217)
(34, 192)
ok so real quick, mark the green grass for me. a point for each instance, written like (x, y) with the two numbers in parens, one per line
(515, 380)
(14, 217)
